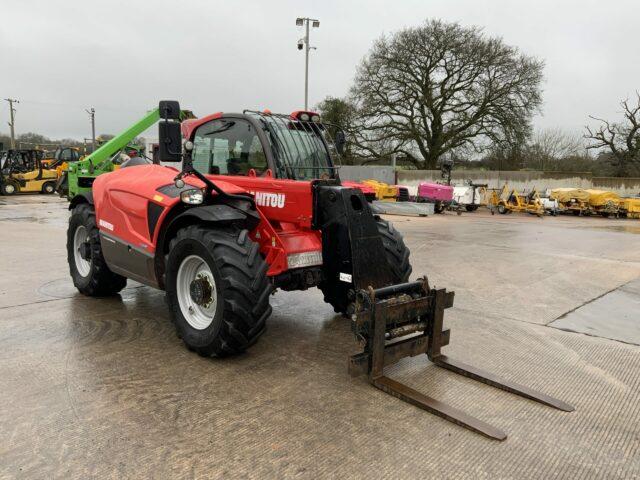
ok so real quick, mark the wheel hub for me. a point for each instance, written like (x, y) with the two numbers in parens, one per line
(85, 250)
(201, 291)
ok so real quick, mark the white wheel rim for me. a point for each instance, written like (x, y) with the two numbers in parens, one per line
(198, 316)
(48, 188)
(9, 188)
(81, 236)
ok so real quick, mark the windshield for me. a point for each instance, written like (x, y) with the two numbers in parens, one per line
(300, 148)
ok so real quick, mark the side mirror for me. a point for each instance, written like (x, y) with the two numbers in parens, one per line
(340, 141)
(169, 133)
(169, 109)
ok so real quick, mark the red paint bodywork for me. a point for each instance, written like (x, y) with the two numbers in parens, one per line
(121, 199)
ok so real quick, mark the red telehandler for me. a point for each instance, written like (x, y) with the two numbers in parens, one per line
(258, 205)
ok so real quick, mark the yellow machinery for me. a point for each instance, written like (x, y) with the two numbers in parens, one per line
(574, 200)
(593, 202)
(384, 191)
(630, 207)
(508, 201)
(22, 172)
(61, 158)
(604, 202)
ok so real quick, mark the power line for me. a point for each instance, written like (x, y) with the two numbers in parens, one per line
(70, 105)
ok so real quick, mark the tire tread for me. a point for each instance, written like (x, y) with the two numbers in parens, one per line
(245, 287)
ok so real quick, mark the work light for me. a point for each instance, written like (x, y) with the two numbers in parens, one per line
(193, 196)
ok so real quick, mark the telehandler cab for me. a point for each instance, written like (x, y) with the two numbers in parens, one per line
(258, 205)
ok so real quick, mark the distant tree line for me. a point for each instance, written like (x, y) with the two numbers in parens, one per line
(36, 140)
(32, 140)
(441, 90)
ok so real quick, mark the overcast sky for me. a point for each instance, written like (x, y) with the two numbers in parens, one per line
(121, 57)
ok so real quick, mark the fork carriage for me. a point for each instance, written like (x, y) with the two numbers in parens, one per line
(407, 320)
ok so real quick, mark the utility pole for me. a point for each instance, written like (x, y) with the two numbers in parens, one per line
(12, 112)
(304, 43)
(92, 114)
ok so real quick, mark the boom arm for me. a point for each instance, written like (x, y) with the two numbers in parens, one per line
(81, 174)
(123, 138)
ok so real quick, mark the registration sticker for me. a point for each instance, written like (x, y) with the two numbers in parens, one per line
(105, 224)
(345, 277)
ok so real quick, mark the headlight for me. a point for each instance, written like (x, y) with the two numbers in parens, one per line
(305, 259)
(304, 117)
(193, 196)
(315, 118)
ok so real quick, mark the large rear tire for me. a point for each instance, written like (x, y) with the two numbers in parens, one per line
(88, 268)
(397, 255)
(217, 289)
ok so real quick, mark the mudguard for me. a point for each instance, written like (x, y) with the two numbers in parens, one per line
(83, 197)
(222, 214)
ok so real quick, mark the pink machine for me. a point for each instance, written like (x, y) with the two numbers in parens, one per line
(440, 195)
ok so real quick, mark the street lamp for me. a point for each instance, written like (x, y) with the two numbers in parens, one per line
(304, 43)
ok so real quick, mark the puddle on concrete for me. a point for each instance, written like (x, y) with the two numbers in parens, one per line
(40, 220)
(59, 288)
(618, 228)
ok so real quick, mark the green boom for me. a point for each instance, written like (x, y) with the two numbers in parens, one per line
(82, 173)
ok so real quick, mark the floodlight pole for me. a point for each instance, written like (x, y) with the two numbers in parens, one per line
(306, 65)
(315, 23)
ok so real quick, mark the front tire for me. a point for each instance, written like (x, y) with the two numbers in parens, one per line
(397, 255)
(9, 188)
(88, 268)
(49, 188)
(217, 289)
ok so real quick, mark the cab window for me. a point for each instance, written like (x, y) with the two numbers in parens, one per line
(67, 155)
(228, 147)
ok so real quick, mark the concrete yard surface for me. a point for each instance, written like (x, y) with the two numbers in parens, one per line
(103, 388)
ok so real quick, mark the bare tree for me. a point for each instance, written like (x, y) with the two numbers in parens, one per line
(548, 147)
(428, 90)
(621, 139)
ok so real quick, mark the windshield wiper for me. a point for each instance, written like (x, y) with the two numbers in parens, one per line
(277, 143)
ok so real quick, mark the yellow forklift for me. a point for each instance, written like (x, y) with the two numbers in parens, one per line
(61, 158)
(22, 171)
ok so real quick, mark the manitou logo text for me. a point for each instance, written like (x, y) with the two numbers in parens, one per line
(265, 199)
